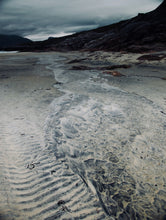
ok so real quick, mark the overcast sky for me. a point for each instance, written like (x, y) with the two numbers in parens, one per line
(39, 19)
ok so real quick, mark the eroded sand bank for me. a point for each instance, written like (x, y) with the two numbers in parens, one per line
(80, 143)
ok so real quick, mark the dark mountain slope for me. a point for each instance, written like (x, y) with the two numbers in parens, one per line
(12, 41)
(145, 32)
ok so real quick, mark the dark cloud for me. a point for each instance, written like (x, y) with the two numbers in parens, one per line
(40, 18)
(3, 2)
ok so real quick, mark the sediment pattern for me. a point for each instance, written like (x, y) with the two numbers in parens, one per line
(45, 188)
(34, 183)
(114, 140)
(107, 146)
(98, 155)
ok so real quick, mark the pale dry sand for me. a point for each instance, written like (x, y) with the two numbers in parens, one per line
(42, 173)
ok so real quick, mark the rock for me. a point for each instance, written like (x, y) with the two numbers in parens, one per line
(113, 73)
(81, 67)
(75, 61)
(61, 202)
(152, 57)
(125, 66)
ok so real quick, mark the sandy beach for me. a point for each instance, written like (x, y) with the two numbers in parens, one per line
(82, 136)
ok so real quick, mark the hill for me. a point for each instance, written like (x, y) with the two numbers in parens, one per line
(12, 41)
(145, 32)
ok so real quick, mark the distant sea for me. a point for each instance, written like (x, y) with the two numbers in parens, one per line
(8, 51)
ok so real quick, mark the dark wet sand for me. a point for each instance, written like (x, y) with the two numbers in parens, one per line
(85, 144)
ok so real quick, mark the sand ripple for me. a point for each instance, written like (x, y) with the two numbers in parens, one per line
(97, 152)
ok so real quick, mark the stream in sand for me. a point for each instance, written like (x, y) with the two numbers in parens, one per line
(86, 149)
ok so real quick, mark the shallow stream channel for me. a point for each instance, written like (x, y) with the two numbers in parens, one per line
(98, 152)
(113, 141)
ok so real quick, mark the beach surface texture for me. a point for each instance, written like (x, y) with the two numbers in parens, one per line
(82, 136)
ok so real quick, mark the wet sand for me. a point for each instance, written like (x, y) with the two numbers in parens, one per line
(82, 144)
(26, 92)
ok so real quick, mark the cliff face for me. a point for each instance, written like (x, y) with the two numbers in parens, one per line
(12, 41)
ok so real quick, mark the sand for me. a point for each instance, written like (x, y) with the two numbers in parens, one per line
(25, 97)
(82, 144)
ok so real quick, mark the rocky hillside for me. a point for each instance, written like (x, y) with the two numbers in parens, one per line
(145, 32)
(12, 41)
